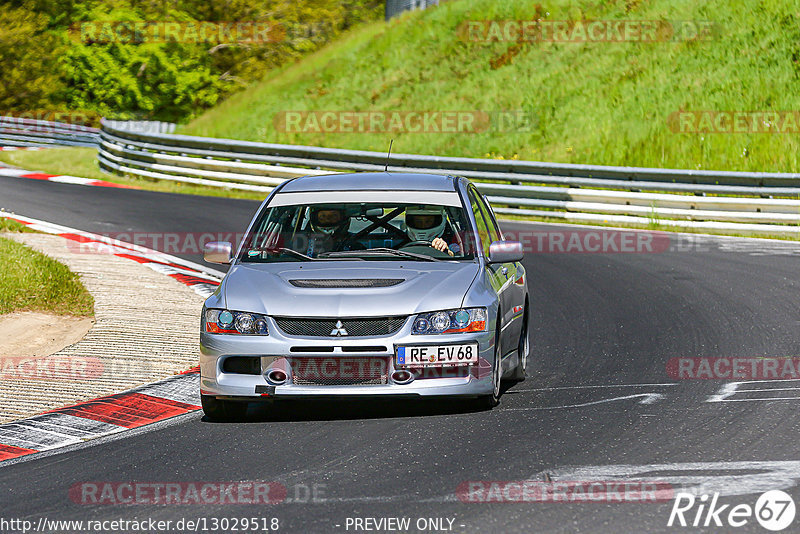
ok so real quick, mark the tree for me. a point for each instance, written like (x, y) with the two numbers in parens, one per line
(28, 75)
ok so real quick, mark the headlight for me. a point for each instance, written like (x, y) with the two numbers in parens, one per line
(450, 321)
(232, 322)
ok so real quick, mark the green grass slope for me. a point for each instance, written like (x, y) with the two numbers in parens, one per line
(600, 102)
(31, 281)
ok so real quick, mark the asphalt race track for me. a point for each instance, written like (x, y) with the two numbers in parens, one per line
(598, 401)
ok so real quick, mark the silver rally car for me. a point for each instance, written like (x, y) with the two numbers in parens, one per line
(365, 285)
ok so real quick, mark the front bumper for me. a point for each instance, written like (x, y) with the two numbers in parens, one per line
(277, 347)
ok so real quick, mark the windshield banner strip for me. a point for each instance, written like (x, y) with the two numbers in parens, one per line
(438, 198)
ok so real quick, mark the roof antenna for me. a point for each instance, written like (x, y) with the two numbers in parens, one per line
(386, 168)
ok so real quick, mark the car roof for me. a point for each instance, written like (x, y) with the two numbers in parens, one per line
(371, 181)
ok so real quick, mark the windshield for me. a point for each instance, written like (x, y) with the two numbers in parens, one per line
(361, 231)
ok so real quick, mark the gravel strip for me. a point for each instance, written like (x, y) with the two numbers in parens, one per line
(146, 328)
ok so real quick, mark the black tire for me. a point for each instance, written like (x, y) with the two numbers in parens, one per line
(223, 410)
(488, 402)
(523, 350)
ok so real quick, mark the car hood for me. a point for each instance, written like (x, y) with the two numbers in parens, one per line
(267, 288)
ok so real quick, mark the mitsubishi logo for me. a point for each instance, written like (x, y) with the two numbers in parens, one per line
(339, 330)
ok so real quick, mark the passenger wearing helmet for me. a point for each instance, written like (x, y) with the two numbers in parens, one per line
(428, 223)
(328, 227)
(326, 220)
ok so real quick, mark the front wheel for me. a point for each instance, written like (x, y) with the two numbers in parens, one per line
(520, 373)
(223, 410)
(490, 401)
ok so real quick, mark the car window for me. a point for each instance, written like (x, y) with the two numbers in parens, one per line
(363, 230)
(491, 223)
(480, 221)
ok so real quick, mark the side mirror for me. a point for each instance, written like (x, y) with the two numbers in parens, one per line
(217, 252)
(505, 252)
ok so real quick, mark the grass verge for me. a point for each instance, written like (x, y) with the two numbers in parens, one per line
(10, 225)
(597, 102)
(31, 281)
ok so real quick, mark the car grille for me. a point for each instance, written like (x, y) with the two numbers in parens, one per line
(346, 348)
(341, 283)
(356, 327)
(368, 371)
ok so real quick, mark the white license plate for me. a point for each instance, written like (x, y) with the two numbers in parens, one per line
(437, 355)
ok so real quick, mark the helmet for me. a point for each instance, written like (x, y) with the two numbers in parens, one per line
(425, 223)
(328, 220)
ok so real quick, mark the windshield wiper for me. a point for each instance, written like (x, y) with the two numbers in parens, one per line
(285, 250)
(291, 253)
(380, 251)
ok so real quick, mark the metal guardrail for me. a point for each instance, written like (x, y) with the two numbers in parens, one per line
(24, 132)
(143, 126)
(742, 202)
(395, 7)
(16, 131)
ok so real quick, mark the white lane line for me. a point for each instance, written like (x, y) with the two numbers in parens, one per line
(67, 179)
(105, 438)
(183, 388)
(647, 398)
(725, 478)
(593, 387)
(43, 438)
(204, 290)
(70, 425)
(732, 388)
(170, 269)
(770, 389)
(38, 439)
(54, 430)
(156, 260)
(760, 399)
(49, 431)
(771, 381)
(145, 252)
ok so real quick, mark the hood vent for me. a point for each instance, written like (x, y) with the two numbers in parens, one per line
(342, 283)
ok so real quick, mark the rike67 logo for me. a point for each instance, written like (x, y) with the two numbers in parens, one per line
(773, 510)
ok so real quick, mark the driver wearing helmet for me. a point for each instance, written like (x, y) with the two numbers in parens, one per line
(428, 223)
(329, 226)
